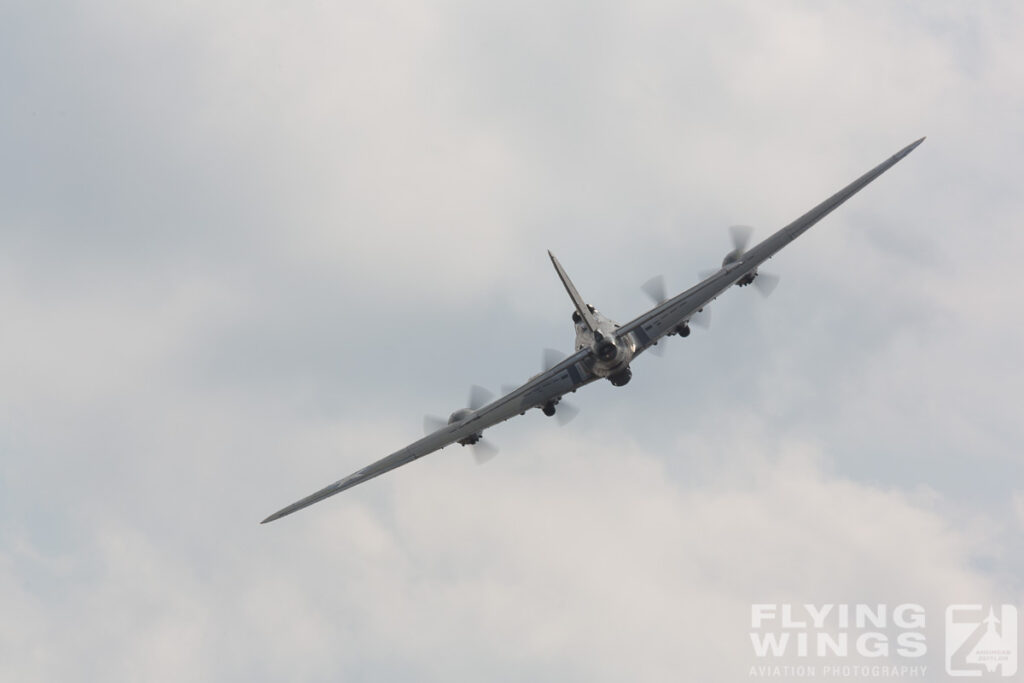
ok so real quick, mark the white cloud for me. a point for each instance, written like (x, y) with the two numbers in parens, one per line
(572, 554)
(1018, 507)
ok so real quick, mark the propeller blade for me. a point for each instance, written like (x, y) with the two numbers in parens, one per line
(565, 412)
(657, 349)
(740, 236)
(766, 283)
(507, 389)
(701, 319)
(484, 450)
(655, 288)
(479, 397)
(432, 423)
(552, 358)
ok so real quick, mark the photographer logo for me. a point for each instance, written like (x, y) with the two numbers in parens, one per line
(981, 641)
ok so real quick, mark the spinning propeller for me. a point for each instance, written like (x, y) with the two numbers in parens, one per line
(562, 410)
(655, 289)
(765, 283)
(740, 235)
(483, 450)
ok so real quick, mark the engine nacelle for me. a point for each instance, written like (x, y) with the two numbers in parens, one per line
(747, 279)
(460, 415)
(621, 378)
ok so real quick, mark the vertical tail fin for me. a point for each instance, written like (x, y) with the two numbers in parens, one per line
(577, 300)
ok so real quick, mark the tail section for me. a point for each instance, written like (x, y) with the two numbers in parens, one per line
(577, 300)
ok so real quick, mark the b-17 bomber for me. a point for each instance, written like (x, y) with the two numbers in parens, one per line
(604, 349)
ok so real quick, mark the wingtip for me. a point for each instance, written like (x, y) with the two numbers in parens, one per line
(271, 518)
(908, 149)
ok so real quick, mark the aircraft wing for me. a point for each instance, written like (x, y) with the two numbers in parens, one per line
(663, 318)
(566, 376)
(574, 371)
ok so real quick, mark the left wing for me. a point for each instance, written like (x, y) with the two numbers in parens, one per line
(566, 376)
(662, 319)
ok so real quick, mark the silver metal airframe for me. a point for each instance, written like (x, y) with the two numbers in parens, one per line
(604, 349)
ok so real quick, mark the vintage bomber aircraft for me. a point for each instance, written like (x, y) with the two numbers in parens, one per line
(604, 349)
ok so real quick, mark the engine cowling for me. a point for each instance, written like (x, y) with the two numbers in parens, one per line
(459, 415)
(747, 279)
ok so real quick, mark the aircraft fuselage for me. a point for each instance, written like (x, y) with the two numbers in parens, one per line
(611, 356)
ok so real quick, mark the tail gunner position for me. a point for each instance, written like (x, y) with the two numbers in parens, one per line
(610, 356)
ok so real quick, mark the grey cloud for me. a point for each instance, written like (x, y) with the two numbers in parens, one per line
(244, 248)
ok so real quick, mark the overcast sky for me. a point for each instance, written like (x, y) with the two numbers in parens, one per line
(246, 246)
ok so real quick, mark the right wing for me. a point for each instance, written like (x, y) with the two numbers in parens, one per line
(665, 317)
(566, 376)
